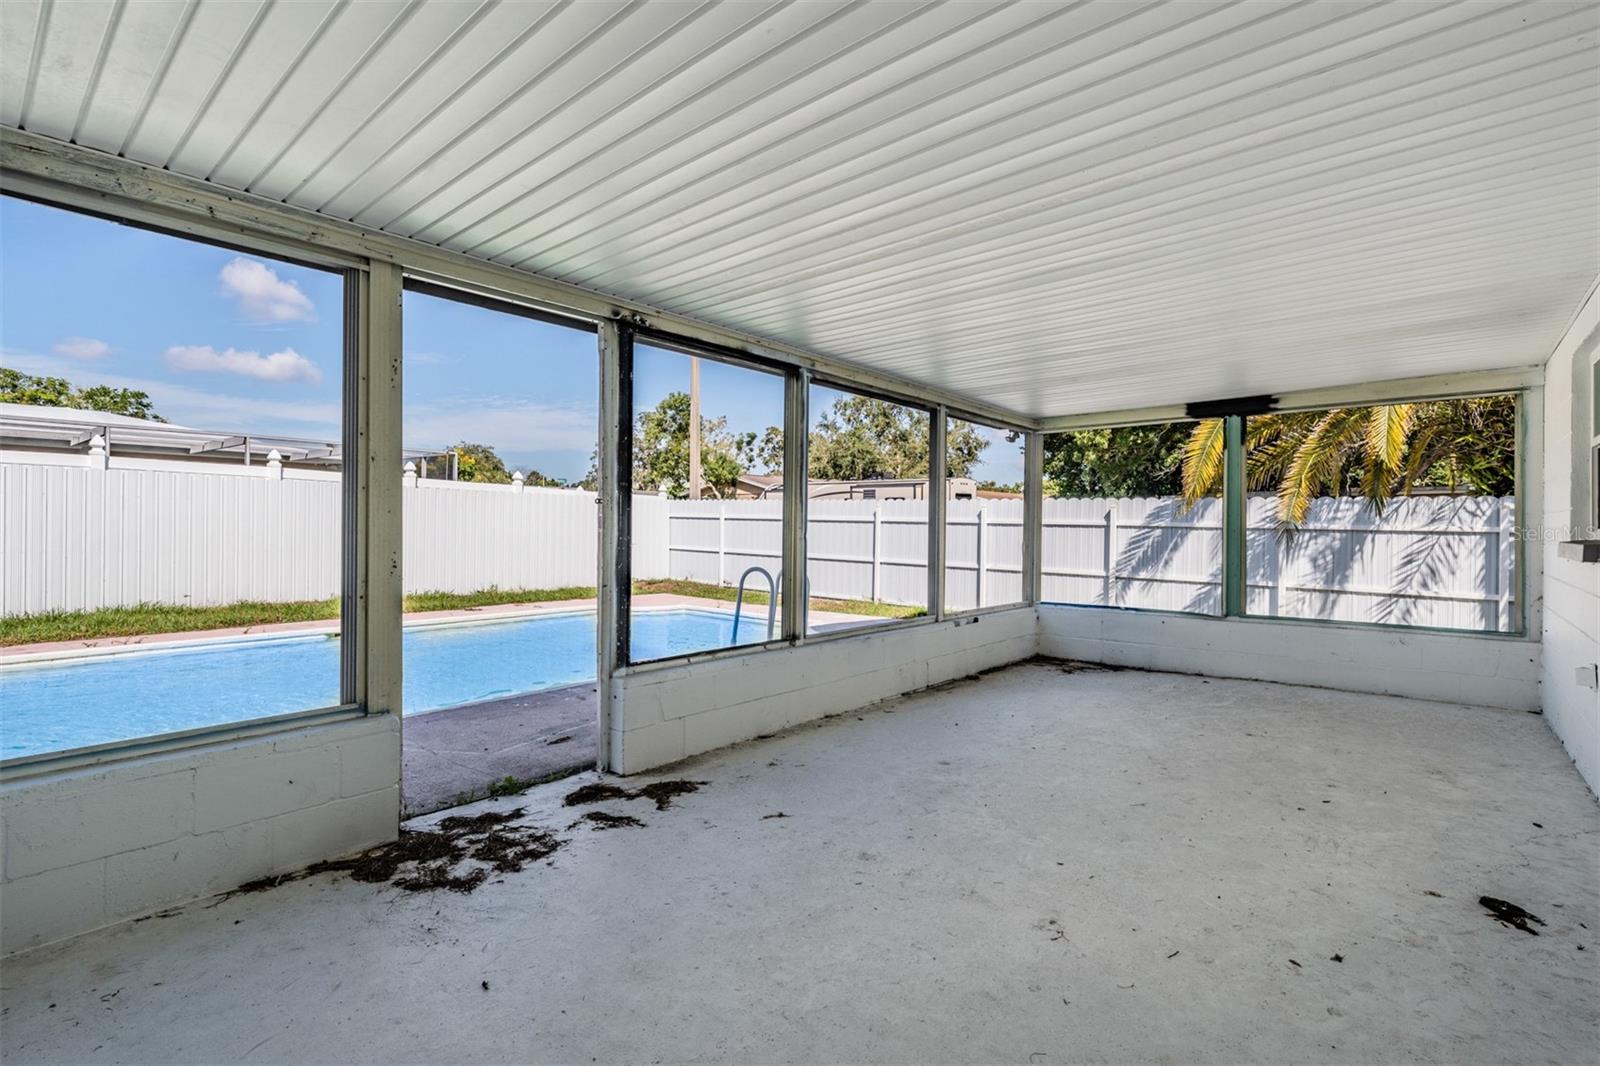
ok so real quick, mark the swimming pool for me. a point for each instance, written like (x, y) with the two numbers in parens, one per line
(73, 703)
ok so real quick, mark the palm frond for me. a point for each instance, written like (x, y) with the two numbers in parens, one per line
(1318, 463)
(1388, 432)
(1203, 460)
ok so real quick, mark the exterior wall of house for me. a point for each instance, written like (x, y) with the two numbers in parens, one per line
(1571, 586)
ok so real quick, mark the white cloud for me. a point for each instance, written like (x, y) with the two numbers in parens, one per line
(83, 348)
(263, 295)
(199, 408)
(509, 426)
(287, 365)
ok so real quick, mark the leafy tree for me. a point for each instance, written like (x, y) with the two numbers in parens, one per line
(1376, 452)
(860, 438)
(16, 387)
(480, 463)
(661, 450)
(1122, 462)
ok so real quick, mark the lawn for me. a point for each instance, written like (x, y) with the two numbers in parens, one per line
(152, 618)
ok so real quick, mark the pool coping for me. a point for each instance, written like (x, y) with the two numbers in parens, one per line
(20, 655)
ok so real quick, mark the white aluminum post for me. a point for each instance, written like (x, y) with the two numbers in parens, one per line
(616, 514)
(1032, 517)
(796, 490)
(937, 492)
(378, 535)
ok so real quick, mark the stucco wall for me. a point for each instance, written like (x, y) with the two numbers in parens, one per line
(1571, 588)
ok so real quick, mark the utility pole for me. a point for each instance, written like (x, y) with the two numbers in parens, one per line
(694, 428)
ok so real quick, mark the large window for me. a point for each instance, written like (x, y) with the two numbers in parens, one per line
(1400, 513)
(707, 524)
(501, 419)
(1122, 528)
(867, 511)
(172, 481)
(1397, 514)
(983, 516)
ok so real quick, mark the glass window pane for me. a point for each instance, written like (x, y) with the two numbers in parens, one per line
(707, 509)
(171, 414)
(501, 419)
(867, 514)
(1119, 530)
(1402, 514)
(983, 516)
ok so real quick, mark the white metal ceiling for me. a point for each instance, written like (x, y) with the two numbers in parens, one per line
(1057, 207)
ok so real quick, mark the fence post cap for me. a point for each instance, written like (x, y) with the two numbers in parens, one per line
(409, 468)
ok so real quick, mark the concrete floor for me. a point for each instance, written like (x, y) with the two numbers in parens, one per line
(1032, 867)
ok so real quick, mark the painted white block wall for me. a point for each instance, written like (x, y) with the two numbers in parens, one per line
(1485, 671)
(1571, 588)
(661, 714)
(89, 847)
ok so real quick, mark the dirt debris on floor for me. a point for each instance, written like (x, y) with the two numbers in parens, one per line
(456, 855)
(599, 820)
(662, 793)
(597, 792)
(1511, 915)
(459, 852)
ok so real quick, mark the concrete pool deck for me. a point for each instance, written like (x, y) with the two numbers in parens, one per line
(1036, 866)
(495, 612)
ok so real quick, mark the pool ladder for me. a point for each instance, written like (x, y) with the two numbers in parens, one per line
(772, 599)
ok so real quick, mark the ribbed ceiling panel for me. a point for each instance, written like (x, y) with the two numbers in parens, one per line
(1056, 207)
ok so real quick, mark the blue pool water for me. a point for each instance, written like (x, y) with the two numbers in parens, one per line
(74, 703)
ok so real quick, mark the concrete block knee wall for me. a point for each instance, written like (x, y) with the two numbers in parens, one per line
(1486, 671)
(90, 847)
(663, 714)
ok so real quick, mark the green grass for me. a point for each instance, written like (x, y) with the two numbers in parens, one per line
(491, 597)
(156, 618)
(717, 592)
(148, 619)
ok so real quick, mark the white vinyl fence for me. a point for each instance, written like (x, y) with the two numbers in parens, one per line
(77, 537)
(1431, 561)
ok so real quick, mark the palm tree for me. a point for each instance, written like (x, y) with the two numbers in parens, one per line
(1374, 452)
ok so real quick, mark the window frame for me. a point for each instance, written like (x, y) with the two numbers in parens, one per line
(353, 275)
(932, 411)
(1523, 384)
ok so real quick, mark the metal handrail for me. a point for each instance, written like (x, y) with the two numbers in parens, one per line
(772, 601)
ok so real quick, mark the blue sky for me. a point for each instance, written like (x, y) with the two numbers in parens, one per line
(241, 342)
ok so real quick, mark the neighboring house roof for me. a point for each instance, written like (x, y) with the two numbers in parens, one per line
(74, 414)
(73, 429)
